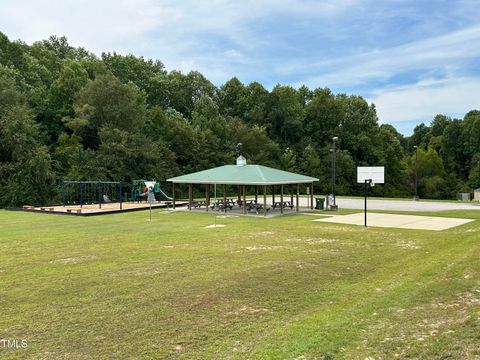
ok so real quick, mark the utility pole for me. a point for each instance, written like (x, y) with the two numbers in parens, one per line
(416, 172)
(334, 160)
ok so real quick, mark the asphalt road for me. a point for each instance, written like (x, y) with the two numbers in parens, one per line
(394, 205)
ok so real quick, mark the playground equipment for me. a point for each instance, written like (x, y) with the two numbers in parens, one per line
(91, 192)
(140, 190)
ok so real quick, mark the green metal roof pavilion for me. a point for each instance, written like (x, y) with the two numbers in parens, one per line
(243, 175)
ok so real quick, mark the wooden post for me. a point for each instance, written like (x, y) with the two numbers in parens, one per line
(311, 196)
(225, 198)
(190, 196)
(273, 194)
(281, 199)
(244, 202)
(63, 193)
(173, 194)
(121, 196)
(291, 195)
(207, 197)
(298, 191)
(264, 200)
(256, 194)
(238, 193)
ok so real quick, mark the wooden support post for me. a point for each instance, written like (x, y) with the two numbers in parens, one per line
(244, 201)
(63, 193)
(291, 195)
(273, 194)
(311, 196)
(256, 194)
(190, 196)
(81, 195)
(225, 198)
(99, 196)
(281, 199)
(173, 194)
(298, 191)
(121, 196)
(238, 193)
(264, 200)
(207, 197)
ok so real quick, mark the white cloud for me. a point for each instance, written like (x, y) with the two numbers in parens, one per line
(425, 99)
(164, 29)
(107, 22)
(440, 53)
(99, 26)
(220, 39)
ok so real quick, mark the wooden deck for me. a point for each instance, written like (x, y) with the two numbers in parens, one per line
(94, 209)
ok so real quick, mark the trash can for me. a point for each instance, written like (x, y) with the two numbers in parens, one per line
(319, 203)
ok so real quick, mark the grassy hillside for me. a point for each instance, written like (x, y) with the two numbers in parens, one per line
(119, 286)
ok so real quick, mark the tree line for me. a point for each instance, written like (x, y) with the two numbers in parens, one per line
(66, 113)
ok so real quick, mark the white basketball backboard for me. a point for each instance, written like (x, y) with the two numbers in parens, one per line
(375, 174)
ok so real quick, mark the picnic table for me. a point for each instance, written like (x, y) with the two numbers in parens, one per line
(256, 206)
(247, 202)
(220, 205)
(283, 204)
(199, 204)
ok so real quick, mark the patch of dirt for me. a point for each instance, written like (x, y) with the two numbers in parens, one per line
(247, 310)
(72, 260)
(313, 241)
(263, 233)
(427, 322)
(266, 247)
(409, 245)
(213, 226)
(139, 272)
(320, 241)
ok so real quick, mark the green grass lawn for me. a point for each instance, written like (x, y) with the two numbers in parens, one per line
(119, 286)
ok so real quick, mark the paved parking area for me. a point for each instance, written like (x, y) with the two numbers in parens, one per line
(397, 221)
(405, 205)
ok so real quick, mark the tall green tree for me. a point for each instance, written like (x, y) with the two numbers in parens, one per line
(25, 165)
(105, 101)
(285, 114)
(149, 75)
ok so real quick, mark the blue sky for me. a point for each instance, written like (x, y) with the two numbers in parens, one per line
(412, 59)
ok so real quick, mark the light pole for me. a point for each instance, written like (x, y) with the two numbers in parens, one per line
(416, 171)
(334, 139)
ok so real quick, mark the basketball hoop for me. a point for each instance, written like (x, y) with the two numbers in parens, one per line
(369, 175)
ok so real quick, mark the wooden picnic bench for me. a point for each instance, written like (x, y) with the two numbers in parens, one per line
(247, 202)
(199, 204)
(46, 208)
(283, 204)
(257, 207)
(220, 205)
(74, 210)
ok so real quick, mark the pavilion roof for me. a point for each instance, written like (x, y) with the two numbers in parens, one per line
(243, 175)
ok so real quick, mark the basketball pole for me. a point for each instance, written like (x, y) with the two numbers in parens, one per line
(366, 191)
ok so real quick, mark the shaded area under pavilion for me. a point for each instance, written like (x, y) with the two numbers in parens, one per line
(241, 176)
